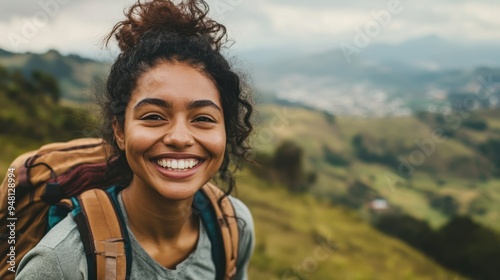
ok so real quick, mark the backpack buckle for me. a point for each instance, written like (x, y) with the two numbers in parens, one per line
(110, 248)
(53, 193)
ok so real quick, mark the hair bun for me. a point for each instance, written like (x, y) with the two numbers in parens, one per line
(188, 18)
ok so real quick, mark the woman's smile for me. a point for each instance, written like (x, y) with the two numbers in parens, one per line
(178, 166)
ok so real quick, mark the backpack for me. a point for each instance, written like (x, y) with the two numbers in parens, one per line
(41, 187)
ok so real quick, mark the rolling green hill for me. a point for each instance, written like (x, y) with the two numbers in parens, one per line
(299, 238)
(346, 151)
(30, 114)
(76, 75)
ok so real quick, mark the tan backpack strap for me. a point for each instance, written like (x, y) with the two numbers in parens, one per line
(105, 231)
(226, 218)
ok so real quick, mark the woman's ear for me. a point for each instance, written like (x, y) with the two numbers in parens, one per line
(119, 136)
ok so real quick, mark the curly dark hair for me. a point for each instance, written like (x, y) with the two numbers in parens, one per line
(161, 31)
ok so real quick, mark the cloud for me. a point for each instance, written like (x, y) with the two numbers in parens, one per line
(78, 25)
(293, 23)
(69, 26)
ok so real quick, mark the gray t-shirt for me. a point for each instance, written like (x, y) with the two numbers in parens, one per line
(60, 254)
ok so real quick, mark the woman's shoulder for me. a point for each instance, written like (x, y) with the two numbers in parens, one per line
(64, 234)
(242, 211)
(246, 236)
(58, 255)
(244, 219)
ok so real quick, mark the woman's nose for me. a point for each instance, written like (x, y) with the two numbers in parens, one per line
(178, 135)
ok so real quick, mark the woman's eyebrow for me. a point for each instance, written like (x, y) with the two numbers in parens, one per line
(152, 101)
(202, 103)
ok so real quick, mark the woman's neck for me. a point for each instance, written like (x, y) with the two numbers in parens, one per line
(157, 219)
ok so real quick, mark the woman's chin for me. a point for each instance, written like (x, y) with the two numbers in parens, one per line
(177, 191)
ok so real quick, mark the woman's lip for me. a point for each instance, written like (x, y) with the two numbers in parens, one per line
(177, 156)
(177, 174)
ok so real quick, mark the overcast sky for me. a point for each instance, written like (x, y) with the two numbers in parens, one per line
(77, 26)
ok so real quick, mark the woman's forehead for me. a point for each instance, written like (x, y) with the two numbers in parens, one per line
(175, 81)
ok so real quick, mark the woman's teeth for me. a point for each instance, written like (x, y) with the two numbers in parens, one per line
(178, 164)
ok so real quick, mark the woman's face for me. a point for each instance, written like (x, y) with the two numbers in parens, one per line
(174, 134)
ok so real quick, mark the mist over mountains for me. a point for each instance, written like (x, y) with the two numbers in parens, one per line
(428, 73)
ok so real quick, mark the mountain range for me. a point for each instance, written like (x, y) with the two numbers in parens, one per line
(77, 75)
(427, 74)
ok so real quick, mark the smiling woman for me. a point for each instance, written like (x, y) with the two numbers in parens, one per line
(177, 117)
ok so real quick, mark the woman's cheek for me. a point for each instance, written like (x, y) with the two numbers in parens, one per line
(216, 142)
(138, 139)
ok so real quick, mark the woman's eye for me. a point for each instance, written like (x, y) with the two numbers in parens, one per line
(152, 118)
(204, 119)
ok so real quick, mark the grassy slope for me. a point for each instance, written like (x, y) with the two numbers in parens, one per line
(287, 227)
(77, 79)
(311, 131)
(52, 122)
